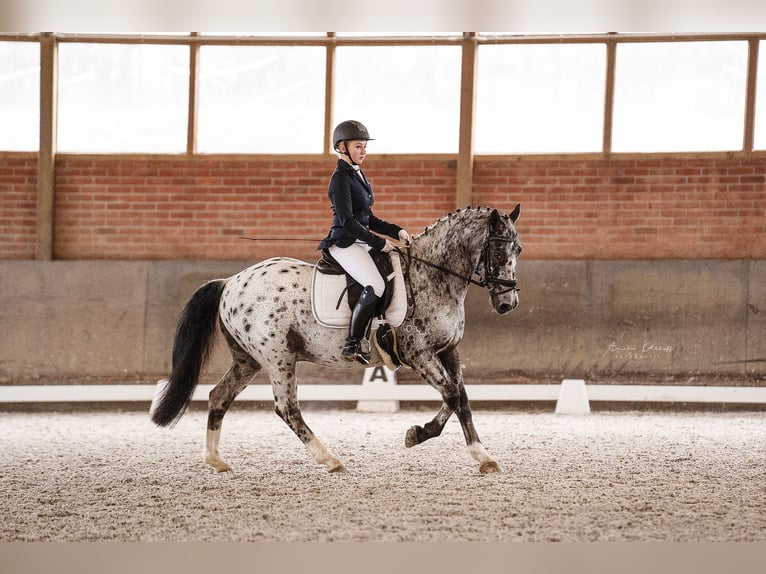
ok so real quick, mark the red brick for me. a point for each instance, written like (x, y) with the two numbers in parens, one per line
(168, 208)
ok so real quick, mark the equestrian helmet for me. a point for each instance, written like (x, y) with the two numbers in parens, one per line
(349, 130)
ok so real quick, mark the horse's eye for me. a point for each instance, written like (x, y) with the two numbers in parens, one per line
(499, 255)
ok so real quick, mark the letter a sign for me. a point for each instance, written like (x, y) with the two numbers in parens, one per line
(377, 380)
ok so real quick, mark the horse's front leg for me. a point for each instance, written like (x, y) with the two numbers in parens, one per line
(443, 372)
(433, 372)
(286, 405)
(487, 464)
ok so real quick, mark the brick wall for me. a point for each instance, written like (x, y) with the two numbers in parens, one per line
(199, 208)
(632, 208)
(18, 206)
(154, 207)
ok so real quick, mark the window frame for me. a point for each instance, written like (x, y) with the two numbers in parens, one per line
(469, 42)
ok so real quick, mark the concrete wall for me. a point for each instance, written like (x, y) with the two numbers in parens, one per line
(621, 317)
(577, 318)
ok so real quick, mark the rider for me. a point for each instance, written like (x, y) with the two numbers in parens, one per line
(350, 238)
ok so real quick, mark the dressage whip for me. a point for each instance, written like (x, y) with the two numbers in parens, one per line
(278, 239)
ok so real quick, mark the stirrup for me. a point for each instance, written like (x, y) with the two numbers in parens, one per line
(352, 351)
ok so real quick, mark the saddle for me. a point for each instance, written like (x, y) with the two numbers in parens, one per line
(334, 294)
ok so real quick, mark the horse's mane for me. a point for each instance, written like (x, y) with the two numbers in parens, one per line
(459, 213)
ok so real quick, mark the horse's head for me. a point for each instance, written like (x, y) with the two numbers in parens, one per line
(500, 251)
(450, 245)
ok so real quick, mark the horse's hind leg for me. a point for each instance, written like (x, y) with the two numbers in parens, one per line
(243, 368)
(286, 405)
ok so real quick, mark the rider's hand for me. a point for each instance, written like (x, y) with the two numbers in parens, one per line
(405, 238)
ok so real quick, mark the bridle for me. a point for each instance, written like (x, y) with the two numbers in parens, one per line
(493, 284)
(482, 271)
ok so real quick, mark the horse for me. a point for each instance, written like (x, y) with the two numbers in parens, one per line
(266, 318)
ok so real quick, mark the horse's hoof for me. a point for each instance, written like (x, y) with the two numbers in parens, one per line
(339, 469)
(411, 439)
(489, 467)
(217, 464)
(220, 466)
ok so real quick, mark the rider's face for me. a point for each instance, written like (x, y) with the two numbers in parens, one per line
(357, 150)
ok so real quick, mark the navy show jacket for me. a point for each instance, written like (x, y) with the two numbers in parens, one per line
(351, 198)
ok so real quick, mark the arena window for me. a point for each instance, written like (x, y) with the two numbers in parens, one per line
(409, 96)
(122, 98)
(281, 94)
(540, 98)
(261, 99)
(680, 96)
(19, 96)
(760, 109)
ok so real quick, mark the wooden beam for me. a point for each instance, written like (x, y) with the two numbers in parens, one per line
(752, 80)
(191, 125)
(464, 190)
(329, 95)
(46, 162)
(372, 40)
(611, 56)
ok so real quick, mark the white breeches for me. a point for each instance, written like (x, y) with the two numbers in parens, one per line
(358, 263)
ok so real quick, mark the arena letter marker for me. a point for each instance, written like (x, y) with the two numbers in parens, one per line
(378, 377)
(573, 398)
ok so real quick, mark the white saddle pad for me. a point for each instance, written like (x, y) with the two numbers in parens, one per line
(326, 291)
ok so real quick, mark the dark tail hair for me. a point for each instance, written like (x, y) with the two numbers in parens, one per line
(192, 346)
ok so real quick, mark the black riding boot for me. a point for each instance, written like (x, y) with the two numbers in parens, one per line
(360, 318)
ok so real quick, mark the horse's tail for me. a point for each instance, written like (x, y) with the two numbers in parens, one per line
(192, 346)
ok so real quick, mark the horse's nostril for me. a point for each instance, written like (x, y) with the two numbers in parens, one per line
(504, 308)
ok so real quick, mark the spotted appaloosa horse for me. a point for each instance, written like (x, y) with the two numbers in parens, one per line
(266, 318)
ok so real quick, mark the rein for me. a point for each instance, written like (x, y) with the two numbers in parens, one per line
(485, 280)
(443, 269)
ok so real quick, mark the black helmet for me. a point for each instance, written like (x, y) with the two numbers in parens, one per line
(349, 130)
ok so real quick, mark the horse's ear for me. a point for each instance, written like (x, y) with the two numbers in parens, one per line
(515, 213)
(494, 217)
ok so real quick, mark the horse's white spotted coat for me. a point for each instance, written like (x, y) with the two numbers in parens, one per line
(266, 309)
